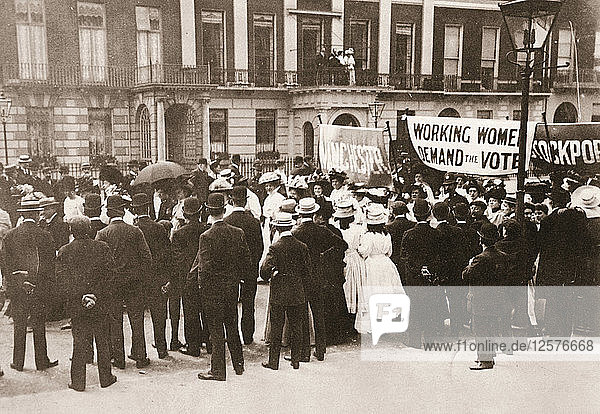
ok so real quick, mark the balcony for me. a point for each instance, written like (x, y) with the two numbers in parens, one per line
(588, 78)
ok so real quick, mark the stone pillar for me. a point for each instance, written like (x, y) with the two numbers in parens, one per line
(161, 141)
(291, 133)
(385, 28)
(427, 38)
(290, 41)
(205, 128)
(337, 25)
(240, 40)
(188, 32)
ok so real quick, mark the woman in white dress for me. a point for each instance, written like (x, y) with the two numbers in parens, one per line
(382, 276)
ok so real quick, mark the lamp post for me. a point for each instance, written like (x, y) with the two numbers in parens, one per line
(5, 104)
(529, 24)
(376, 108)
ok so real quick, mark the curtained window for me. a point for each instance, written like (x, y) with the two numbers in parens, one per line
(213, 44)
(99, 132)
(148, 41)
(38, 131)
(31, 39)
(218, 130)
(360, 41)
(265, 130)
(453, 50)
(92, 41)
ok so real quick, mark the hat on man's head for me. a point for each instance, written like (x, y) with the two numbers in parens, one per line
(220, 185)
(115, 202)
(227, 173)
(344, 209)
(92, 205)
(140, 200)
(283, 219)
(479, 203)
(288, 206)
(488, 233)
(29, 204)
(510, 200)
(24, 159)
(191, 206)
(587, 197)
(85, 165)
(269, 177)
(421, 208)
(216, 201)
(376, 214)
(239, 193)
(307, 205)
(399, 207)
(449, 179)
(48, 202)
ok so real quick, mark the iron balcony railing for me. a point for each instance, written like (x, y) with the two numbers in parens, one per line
(568, 78)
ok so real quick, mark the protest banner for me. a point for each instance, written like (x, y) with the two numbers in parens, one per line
(360, 152)
(567, 146)
(466, 145)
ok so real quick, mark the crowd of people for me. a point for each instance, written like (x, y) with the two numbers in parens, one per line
(85, 249)
(337, 68)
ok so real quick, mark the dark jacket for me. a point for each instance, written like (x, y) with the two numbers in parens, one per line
(518, 270)
(28, 248)
(471, 240)
(185, 248)
(160, 247)
(453, 251)
(59, 230)
(318, 239)
(287, 264)
(333, 261)
(223, 260)
(86, 266)
(397, 228)
(252, 232)
(421, 247)
(201, 180)
(487, 275)
(97, 225)
(133, 259)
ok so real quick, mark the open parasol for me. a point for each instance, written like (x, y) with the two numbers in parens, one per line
(160, 170)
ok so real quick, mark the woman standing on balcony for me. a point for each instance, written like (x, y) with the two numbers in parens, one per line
(350, 63)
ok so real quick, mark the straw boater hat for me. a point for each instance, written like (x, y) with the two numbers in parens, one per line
(307, 205)
(48, 202)
(344, 209)
(376, 214)
(587, 197)
(283, 219)
(24, 159)
(269, 177)
(227, 173)
(220, 185)
(29, 204)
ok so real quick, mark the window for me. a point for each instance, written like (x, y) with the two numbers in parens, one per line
(264, 49)
(404, 53)
(145, 137)
(99, 132)
(189, 141)
(213, 44)
(218, 130)
(265, 130)
(148, 41)
(453, 50)
(360, 41)
(92, 41)
(38, 129)
(31, 39)
(484, 113)
(516, 115)
(564, 48)
(312, 40)
(489, 57)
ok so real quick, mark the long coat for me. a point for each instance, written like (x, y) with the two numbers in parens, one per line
(252, 232)
(421, 247)
(453, 251)
(185, 248)
(160, 247)
(397, 228)
(287, 263)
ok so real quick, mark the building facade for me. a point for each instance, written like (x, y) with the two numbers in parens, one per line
(180, 79)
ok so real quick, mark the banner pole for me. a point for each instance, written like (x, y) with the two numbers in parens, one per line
(392, 150)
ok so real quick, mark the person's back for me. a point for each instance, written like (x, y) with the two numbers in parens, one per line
(421, 247)
(160, 247)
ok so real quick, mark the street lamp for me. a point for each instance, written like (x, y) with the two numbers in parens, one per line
(5, 104)
(376, 108)
(529, 24)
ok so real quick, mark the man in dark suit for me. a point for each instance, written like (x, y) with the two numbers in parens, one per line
(462, 215)
(28, 267)
(318, 239)
(397, 228)
(452, 254)
(92, 207)
(201, 180)
(244, 220)
(133, 262)
(185, 248)
(452, 197)
(162, 205)
(287, 263)
(223, 260)
(486, 275)
(156, 281)
(421, 247)
(53, 222)
(87, 265)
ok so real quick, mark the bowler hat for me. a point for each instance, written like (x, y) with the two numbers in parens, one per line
(307, 206)
(488, 233)
(191, 206)
(140, 200)
(283, 219)
(115, 202)
(92, 204)
(239, 193)
(215, 201)
(421, 208)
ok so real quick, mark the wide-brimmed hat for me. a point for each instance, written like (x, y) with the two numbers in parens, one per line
(24, 159)
(376, 214)
(421, 208)
(220, 185)
(215, 201)
(115, 202)
(227, 173)
(85, 165)
(29, 204)
(48, 202)
(191, 206)
(298, 182)
(269, 177)
(283, 219)
(488, 233)
(333, 174)
(344, 209)
(307, 205)
(588, 198)
(495, 192)
(140, 200)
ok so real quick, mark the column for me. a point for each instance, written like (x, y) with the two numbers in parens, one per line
(205, 128)
(240, 40)
(290, 41)
(161, 142)
(188, 32)
(291, 133)
(385, 28)
(337, 25)
(427, 38)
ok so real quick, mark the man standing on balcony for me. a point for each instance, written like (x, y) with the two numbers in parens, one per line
(321, 63)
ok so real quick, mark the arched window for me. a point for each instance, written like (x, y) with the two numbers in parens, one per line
(346, 120)
(145, 139)
(450, 113)
(309, 139)
(565, 113)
